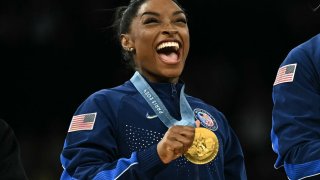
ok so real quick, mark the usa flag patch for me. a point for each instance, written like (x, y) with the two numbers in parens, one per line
(82, 122)
(285, 74)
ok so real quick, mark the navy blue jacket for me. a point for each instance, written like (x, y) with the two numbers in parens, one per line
(295, 130)
(122, 142)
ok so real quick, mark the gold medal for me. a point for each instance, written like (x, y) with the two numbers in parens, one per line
(204, 148)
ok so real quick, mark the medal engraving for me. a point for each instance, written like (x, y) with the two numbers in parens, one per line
(204, 148)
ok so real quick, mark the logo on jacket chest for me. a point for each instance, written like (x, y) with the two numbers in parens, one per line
(205, 119)
(151, 116)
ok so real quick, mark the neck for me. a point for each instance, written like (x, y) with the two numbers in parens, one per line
(159, 79)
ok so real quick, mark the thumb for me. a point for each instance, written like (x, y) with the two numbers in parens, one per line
(197, 123)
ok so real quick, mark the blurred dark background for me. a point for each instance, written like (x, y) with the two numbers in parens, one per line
(55, 53)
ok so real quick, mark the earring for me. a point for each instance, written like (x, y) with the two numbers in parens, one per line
(129, 49)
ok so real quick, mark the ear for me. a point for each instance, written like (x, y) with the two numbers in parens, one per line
(126, 42)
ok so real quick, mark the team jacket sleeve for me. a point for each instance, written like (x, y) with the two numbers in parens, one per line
(234, 167)
(234, 162)
(93, 154)
(295, 130)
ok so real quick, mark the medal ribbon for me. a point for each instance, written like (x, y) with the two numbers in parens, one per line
(187, 117)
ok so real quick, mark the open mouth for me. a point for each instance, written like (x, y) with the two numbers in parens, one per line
(169, 52)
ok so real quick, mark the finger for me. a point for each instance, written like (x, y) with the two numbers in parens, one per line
(197, 123)
(183, 135)
(186, 131)
(177, 155)
(174, 146)
(186, 143)
(181, 128)
(179, 149)
(166, 153)
(179, 139)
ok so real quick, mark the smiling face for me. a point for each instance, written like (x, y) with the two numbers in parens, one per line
(160, 36)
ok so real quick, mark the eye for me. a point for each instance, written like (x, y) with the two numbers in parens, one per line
(181, 20)
(150, 20)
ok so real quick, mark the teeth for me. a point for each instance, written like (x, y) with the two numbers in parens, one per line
(168, 44)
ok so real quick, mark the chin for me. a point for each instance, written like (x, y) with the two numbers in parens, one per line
(172, 73)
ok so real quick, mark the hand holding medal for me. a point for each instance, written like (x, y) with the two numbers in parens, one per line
(176, 141)
(199, 145)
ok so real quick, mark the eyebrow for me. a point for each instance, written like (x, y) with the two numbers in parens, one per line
(157, 14)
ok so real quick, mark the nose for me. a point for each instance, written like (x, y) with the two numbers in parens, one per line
(169, 29)
(169, 32)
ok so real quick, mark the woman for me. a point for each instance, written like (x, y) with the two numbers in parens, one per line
(148, 128)
(296, 108)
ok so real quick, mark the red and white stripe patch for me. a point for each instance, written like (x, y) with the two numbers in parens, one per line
(285, 74)
(82, 122)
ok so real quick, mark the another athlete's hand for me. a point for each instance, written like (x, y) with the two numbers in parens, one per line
(176, 141)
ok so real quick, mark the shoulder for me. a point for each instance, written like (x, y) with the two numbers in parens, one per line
(106, 100)
(302, 62)
(114, 93)
(306, 52)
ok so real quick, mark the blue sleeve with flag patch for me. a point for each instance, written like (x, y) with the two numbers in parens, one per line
(91, 151)
(295, 130)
